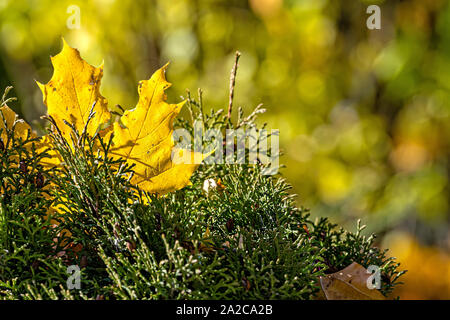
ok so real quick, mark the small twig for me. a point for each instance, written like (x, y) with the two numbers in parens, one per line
(189, 105)
(200, 103)
(251, 118)
(233, 83)
(5, 100)
(91, 115)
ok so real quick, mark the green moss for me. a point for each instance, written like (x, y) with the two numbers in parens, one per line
(140, 246)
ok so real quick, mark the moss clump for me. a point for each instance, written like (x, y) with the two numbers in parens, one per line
(243, 240)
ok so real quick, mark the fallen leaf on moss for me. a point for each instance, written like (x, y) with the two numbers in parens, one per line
(348, 284)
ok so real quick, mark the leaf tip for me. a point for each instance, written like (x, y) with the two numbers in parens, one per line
(65, 44)
(40, 85)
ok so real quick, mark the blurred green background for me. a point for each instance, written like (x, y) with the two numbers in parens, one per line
(363, 114)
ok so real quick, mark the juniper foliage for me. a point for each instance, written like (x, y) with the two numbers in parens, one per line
(243, 240)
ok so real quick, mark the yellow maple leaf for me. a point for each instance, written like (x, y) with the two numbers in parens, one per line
(144, 137)
(21, 130)
(11, 120)
(72, 91)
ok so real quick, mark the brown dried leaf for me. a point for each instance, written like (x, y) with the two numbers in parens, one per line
(348, 284)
